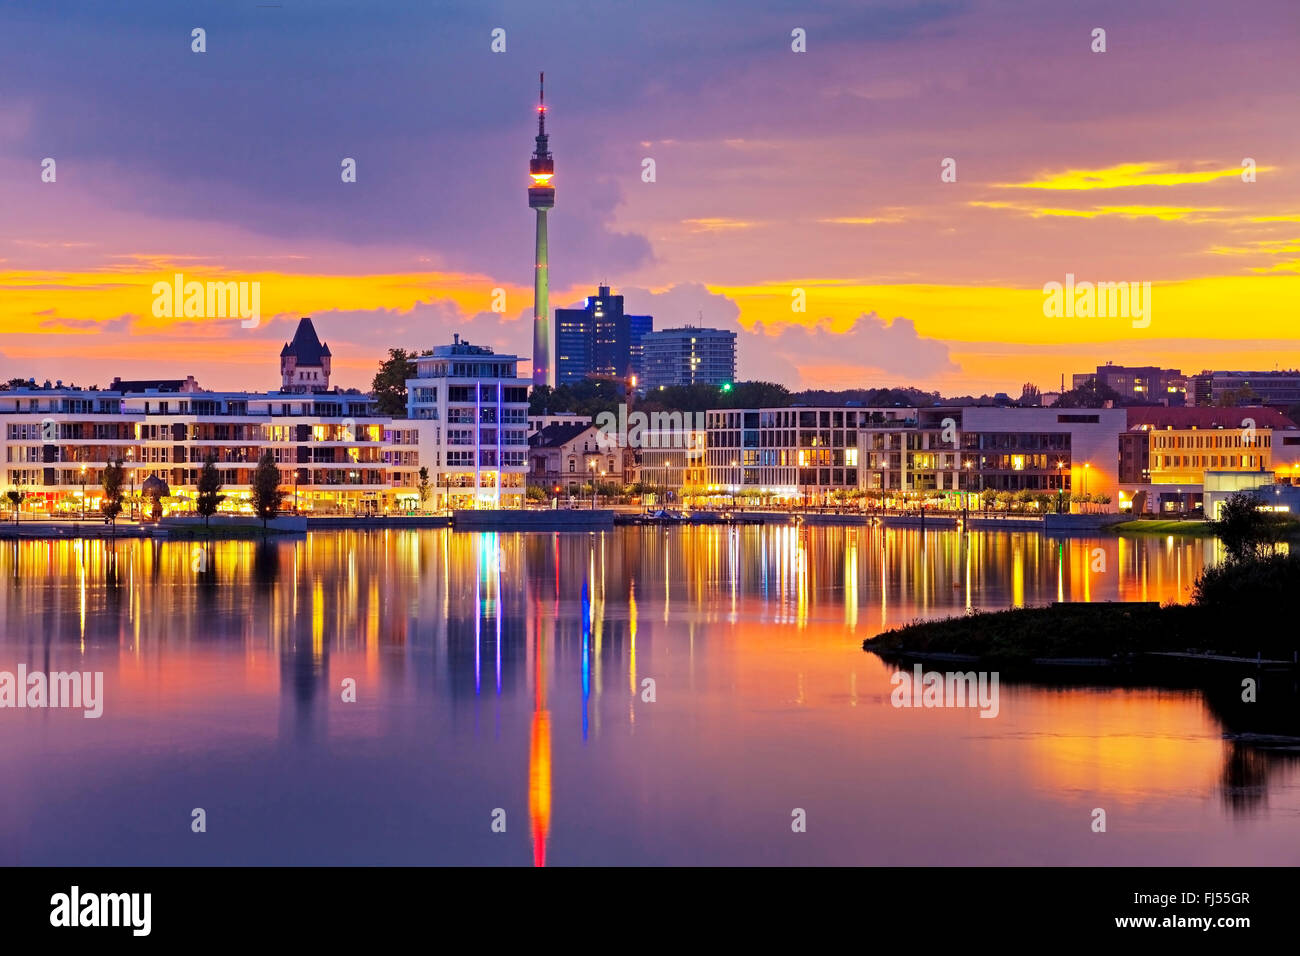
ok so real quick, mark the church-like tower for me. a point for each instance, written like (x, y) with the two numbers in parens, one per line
(541, 197)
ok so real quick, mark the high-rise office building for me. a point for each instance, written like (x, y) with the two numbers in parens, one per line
(599, 340)
(688, 356)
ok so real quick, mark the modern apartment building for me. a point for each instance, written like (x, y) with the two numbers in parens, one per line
(688, 356)
(948, 450)
(467, 425)
(469, 408)
(674, 460)
(329, 446)
(912, 454)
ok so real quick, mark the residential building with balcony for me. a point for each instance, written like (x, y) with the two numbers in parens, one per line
(469, 408)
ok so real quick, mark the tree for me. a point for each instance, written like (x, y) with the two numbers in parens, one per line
(16, 499)
(389, 385)
(1246, 532)
(1234, 397)
(535, 493)
(266, 488)
(209, 489)
(422, 487)
(1093, 393)
(112, 480)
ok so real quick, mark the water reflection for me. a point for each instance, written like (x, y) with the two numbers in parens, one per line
(490, 673)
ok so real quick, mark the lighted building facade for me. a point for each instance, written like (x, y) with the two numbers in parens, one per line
(1180, 446)
(329, 446)
(469, 408)
(912, 454)
(674, 460)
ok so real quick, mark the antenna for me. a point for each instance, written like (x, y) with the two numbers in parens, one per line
(541, 104)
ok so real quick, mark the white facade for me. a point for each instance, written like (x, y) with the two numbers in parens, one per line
(469, 408)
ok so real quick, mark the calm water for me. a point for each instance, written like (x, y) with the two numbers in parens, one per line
(506, 671)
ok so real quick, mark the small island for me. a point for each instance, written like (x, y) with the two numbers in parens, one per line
(1240, 613)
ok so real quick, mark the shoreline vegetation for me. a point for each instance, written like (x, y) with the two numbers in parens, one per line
(1239, 614)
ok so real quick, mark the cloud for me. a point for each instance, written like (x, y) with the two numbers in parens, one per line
(873, 352)
(1126, 174)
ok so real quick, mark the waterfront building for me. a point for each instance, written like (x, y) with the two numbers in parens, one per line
(688, 356)
(902, 455)
(469, 408)
(1274, 491)
(1179, 446)
(599, 340)
(329, 446)
(569, 455)
(948, 451)
(788, 454)
(674, 460)
(1147, 384)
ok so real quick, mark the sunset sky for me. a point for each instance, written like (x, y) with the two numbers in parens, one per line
(775, 170)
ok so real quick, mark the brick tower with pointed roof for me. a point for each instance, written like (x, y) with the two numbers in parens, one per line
(305, 362)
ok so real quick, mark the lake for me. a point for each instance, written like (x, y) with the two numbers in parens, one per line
(641, 696)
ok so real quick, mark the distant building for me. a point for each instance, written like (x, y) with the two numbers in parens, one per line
(470, 408)
(305, 362)
(599, 340)
(1280, 389)
(688, 356)
(1146, 383)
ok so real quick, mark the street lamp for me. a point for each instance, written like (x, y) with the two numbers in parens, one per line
(966, 511)
(83, 492)
(591, 467)
(130, 454)
(1060, 488)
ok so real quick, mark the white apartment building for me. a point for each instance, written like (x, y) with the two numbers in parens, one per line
(330, 446)
(469, 408)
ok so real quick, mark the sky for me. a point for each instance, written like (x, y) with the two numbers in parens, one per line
(778, 176)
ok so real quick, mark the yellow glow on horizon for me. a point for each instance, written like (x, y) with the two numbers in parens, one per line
(1127, 174)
